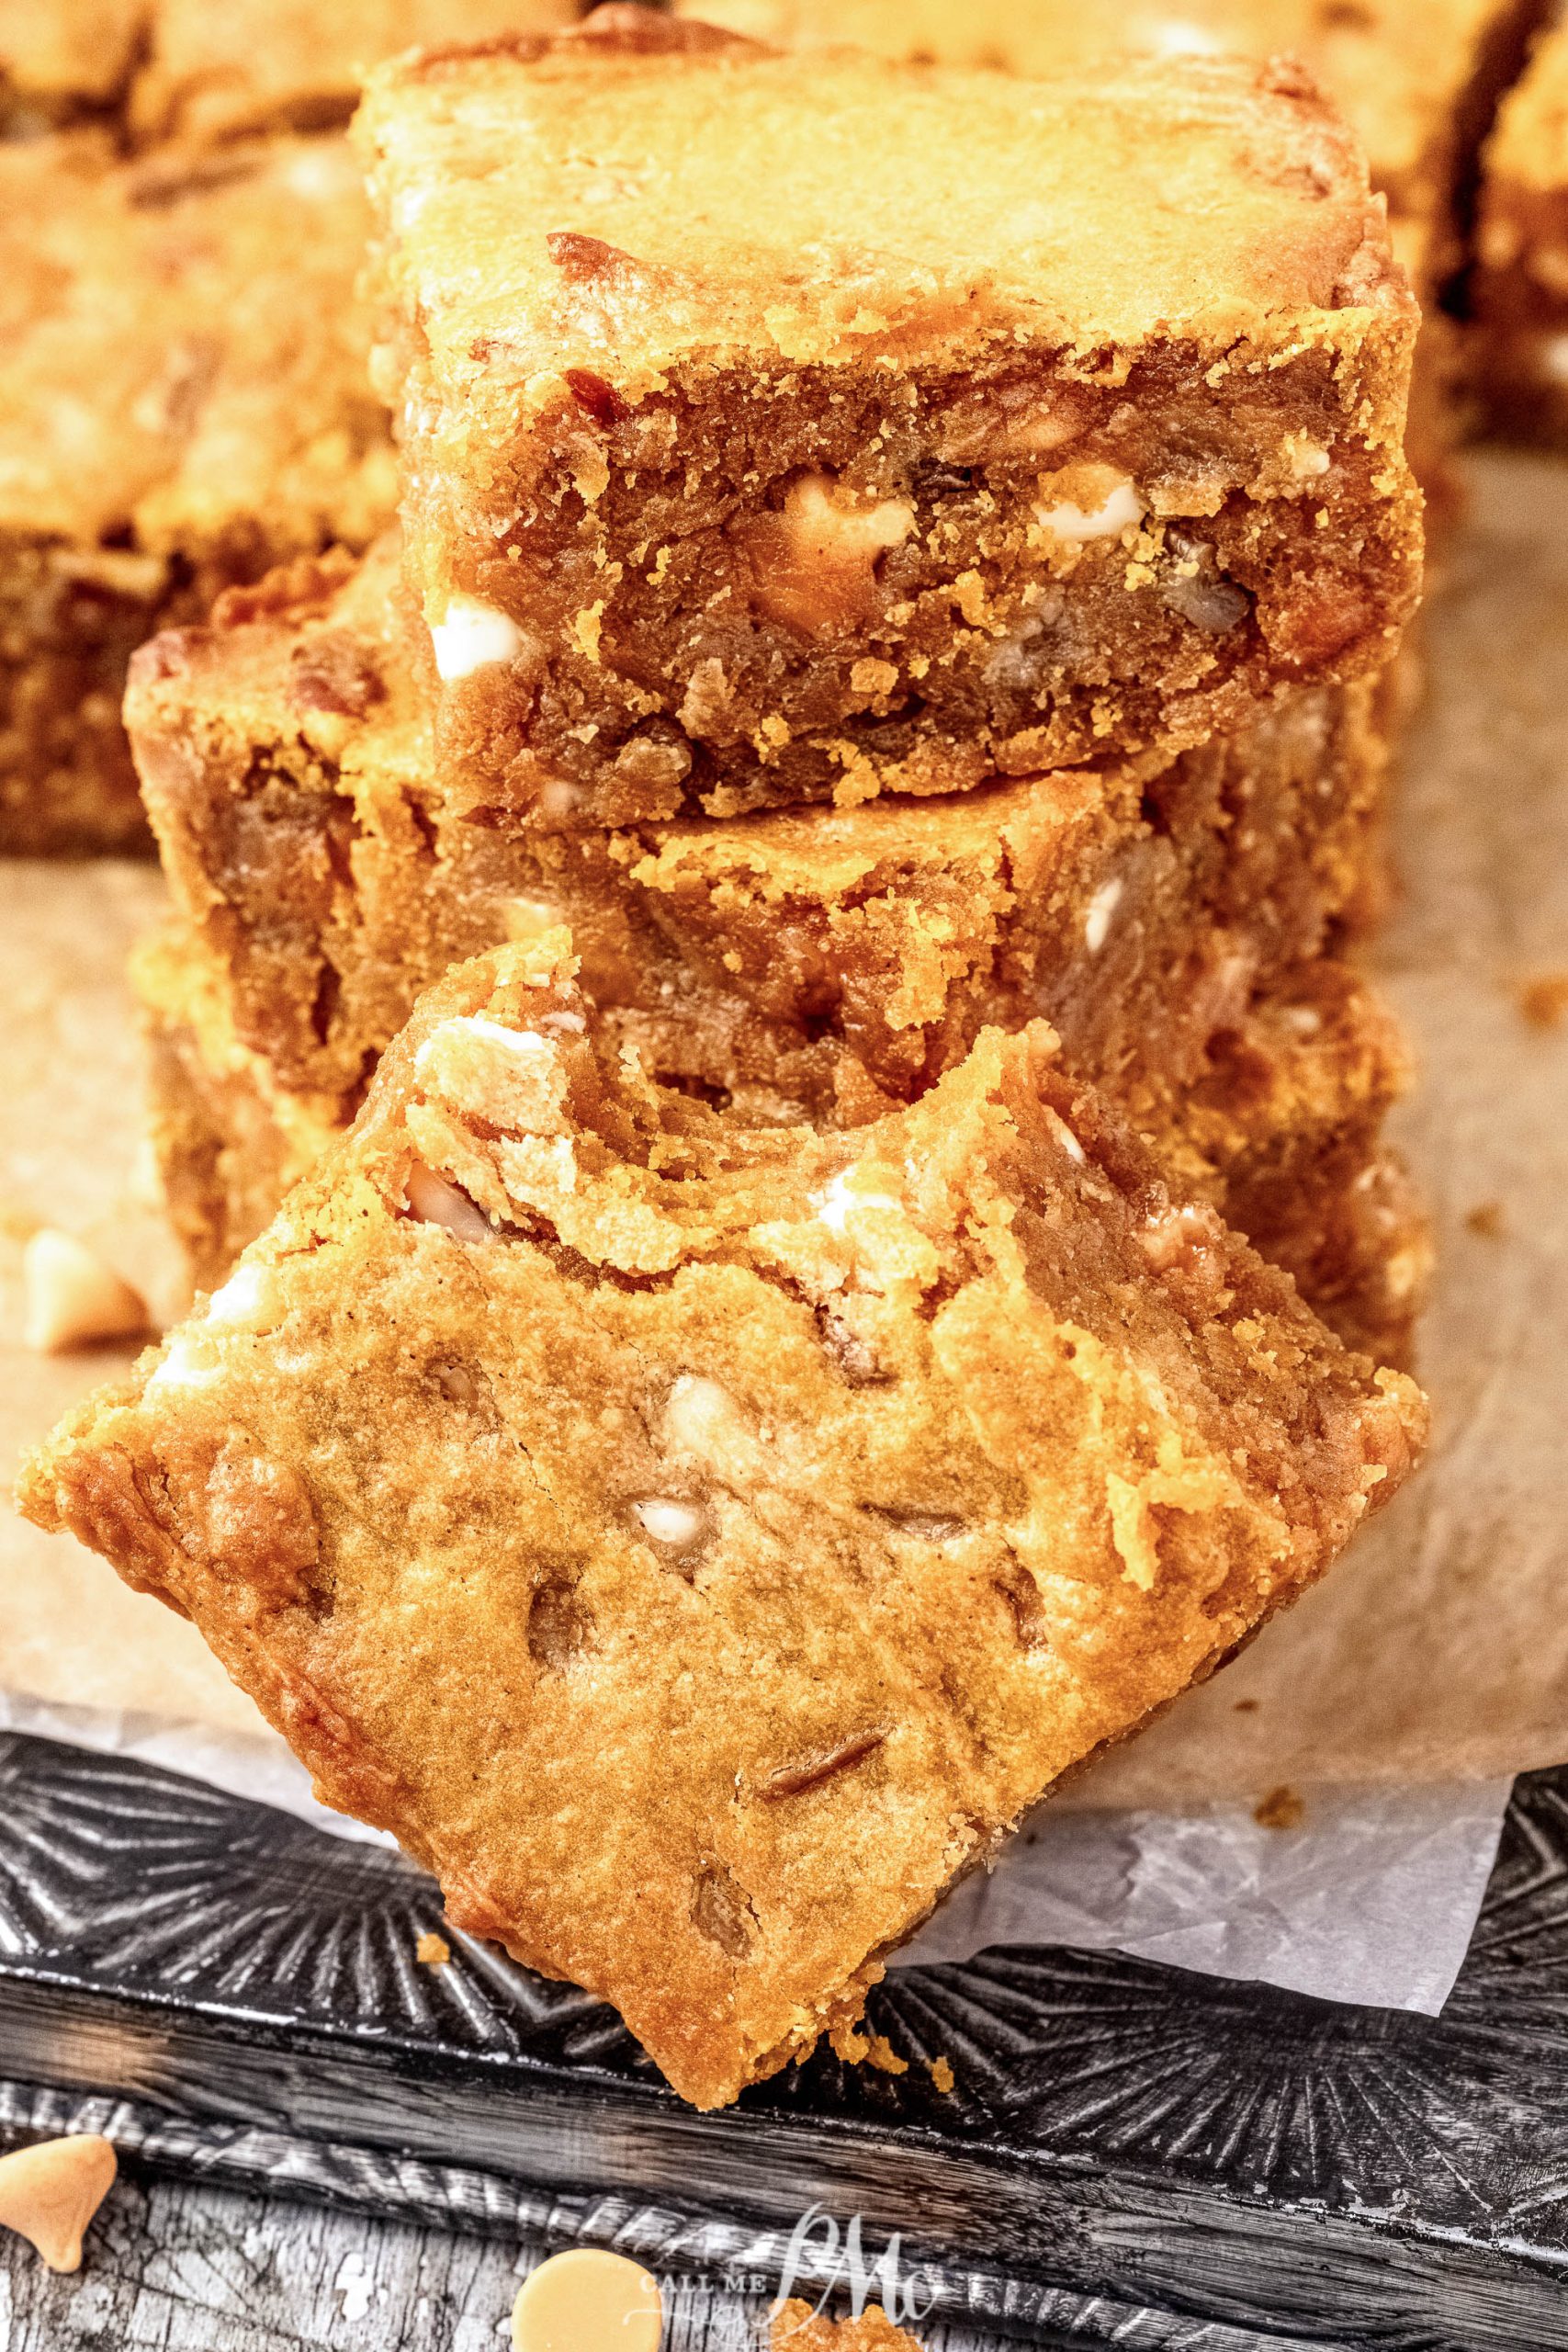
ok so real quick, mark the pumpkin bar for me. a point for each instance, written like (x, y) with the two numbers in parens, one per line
(184, 403)
(287, 761)
(700, 1543)
(781, 427)
(1521, 287)
(1280, 1127)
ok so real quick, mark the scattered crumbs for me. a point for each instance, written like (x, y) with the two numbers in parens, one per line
(432, 1951)
(1247, 1706)
(1486, 1218)
(941, 2073)
(857, 2049)
(1544, 1001)
(884, 2057)
(1280, 1809)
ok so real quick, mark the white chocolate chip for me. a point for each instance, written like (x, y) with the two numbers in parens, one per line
(182, 1368)
(1301, 1019)
(246, 1299)
(831, 529)
(525, 1043)
(1067, 1140)
(839, 1199)
(48, 2194)
(1101, 908)
(1119, 509)
(471, 634)
(675, 1525)
(698, 1413)
(72, 1298)
(1308, 460)
(1554, 359)
(433, 1201)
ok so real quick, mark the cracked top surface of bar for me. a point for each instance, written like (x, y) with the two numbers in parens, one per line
(698, 1542)
(780, 428)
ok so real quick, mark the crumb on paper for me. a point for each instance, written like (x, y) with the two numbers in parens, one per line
(1246, 1707)
(432, 1951)
(1543, 999)
(1487, 1219)
(1280, 1809)
(941, 2075)
(73, 1297)
(49, 2192)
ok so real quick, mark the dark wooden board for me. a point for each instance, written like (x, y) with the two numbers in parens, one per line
(1131, 2155)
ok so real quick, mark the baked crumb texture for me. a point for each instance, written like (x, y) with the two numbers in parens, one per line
(700, 1541)
(1163, 912)
(1520, 289)
(796, 2327)
(184, 403)
(781, 428)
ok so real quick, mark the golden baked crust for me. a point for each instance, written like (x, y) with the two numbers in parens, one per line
(785, 427)
(1415, 83)
(1520, 287)
(215, 72)
(699, 1542)
(183, 404)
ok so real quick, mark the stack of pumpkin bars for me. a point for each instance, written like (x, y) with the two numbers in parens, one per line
(883, 1266)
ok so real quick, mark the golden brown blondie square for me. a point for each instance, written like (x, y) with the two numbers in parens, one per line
(249, 65)
(184, 403)
(700, 1543)
(1521, 287)
(780, 428)
(286, 758)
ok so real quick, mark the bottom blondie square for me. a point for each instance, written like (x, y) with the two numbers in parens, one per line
(699, 1541)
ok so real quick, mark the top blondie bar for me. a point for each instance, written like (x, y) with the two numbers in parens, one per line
(780, 428)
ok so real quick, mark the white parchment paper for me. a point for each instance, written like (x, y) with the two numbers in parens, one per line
(1396, 1699)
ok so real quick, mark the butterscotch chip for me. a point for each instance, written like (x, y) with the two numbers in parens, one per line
(1280, 1809)
(589, 2297)
(49, 2192)
(907, 429)
(73, 1297)
(531, 1289)
(1544, 1000)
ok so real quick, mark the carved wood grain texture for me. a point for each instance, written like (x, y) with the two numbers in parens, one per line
(1130, 2155)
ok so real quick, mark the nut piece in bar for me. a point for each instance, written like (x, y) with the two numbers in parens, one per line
(785, 427)
(1519, 293)
(700, 1543)
(184, 403)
